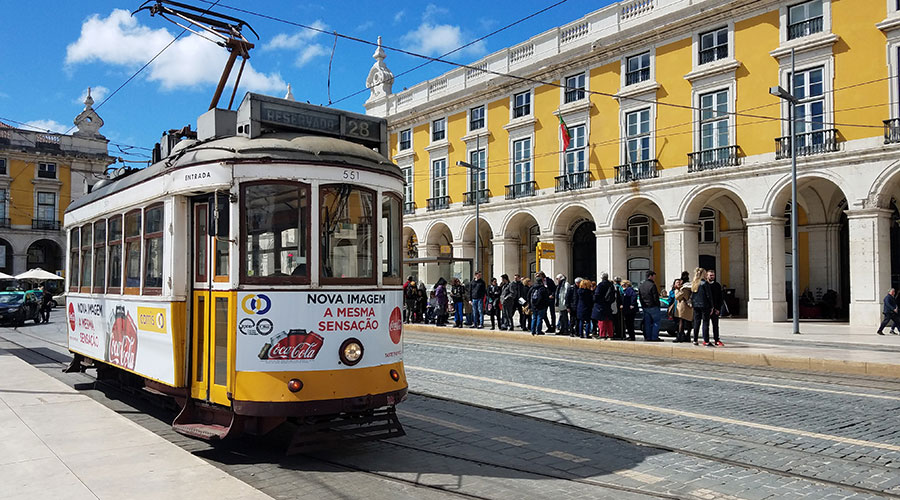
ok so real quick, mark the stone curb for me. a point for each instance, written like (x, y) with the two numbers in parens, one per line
(685, 351)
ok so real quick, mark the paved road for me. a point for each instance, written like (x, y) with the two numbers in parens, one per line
(486, 420)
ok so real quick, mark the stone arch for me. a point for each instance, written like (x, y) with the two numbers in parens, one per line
(514, 217)
(567, 216)
(438, 233)
(45, 254)
(779, 194)
(485, 242)
(625, 207)
(701, 196)
(410, 243)
(884, 187)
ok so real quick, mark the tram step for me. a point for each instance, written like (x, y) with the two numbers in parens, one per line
(205, 422)
(380, 424)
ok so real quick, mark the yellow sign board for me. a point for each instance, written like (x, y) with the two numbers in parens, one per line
(446, 249)
(151, 319)
(546, 250)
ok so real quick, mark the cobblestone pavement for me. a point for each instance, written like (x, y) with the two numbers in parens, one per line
(513, 421)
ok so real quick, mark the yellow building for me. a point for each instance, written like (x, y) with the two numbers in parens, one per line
(679, 154)
(40, 174)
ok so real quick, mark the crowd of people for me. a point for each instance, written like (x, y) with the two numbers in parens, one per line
(605, 309)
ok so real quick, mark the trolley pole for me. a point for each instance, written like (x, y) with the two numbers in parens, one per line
(781, 93)
(476, 170)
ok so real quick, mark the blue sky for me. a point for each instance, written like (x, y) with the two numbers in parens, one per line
(53, 51)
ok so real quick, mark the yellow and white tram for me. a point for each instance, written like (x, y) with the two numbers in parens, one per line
(253, 271)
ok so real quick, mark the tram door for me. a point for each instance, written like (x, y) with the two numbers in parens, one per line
(212, 311)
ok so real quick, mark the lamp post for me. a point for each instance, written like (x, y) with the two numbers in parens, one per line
(476, 170)
(781, 93)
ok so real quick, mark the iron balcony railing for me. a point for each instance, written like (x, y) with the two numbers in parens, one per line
(573, 95)
(49, 225)
(520, 190)
(808, 143)
(638, 170)
(573, 181)
(4, 221)
(892, 131)
(484, 196)
(713, 54)
(437, 203)
(638, 76)
(709, 159)
(805, 28)
(409, 208)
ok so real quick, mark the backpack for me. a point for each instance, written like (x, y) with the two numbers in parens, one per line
(411, 292)
(537, 298)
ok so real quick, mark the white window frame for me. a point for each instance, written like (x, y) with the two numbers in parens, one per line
(804, 62)
(704, 221)
(483, 108)
(627, 106)
(5, 163)
(575, 149)
(409, 192)
(638, 236)
(400, 139)
(470, 173)
(729, 41)
(514, 164)
(651, 61)
(4, 202)
(439, 180)
(565, 87)
(729, 101)
(38, 170)
(431, 130)
(893, 63)
(512, 105)
(651, 152)
(783, 22)
(806, 127)
(37, 205)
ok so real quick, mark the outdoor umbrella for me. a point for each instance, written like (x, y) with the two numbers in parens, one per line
(38, 274)
(4, 276)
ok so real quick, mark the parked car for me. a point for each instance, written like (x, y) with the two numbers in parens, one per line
(666, 324)
(18, 307)
(58, 299)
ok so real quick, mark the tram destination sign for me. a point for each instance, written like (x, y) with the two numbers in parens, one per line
(281, 114)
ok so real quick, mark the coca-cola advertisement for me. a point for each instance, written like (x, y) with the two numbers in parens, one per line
(304, 330)
(292, 345)
(123, 340)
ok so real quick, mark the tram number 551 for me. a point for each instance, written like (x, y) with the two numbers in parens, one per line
(351, 175)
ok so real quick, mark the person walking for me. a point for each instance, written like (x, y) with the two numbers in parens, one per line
(477, 294)
(509, 301)
(569, 304)
(538, 300)
(421, 303)
(702, 304)
(889, 310)
(648, 294)
(584, 306)
(440, 293)
(410, 294)
(550, 317)
(629, 309)
(493, 304)
(562, 287)
(46, 300)
(683, 312)
(604, 306)
(717, 296)
(457, 296)
(519, 283)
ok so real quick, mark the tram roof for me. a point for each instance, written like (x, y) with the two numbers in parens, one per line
(267, 147)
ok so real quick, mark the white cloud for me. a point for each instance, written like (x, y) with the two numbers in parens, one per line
(98, 92)
(366, 25)
(297, 40)
(399, 16)
(309, 52)
(438, 39)
(191, 61)
(45, 125)
(432, 11)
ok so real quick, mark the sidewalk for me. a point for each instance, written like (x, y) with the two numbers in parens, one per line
(821, 347)
(58, 443)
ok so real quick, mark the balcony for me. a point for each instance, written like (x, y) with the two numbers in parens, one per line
(409, 208)
(713, 54)
(805, 28)
(636, 171)
(638, 76)
(892, 131)
(484, 196)
(4, 221)
(520, 190)
(573, 181)
(808, 143)
(438, 203)
(710, 159)
(46, 225)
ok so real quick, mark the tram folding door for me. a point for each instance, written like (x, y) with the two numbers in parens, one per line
(212, 313)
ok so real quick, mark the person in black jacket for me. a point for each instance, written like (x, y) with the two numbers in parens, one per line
(477, 293)
(702, 303)
(539, 300)
(569, 304)
(519, 283)
(584, 306)
(493, 303)
(717, 300)
(648, 293)
(890, 312)
(550, 317)
(509, 301)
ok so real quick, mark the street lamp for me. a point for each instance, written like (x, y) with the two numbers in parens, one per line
(477, 172)
(781, 93)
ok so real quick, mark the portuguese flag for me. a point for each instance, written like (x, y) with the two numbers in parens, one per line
(564, 131)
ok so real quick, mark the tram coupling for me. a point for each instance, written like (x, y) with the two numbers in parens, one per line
(373, 425)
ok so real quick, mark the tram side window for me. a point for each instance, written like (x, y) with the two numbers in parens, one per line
(348, 229)
(86, 250)
(74, 248)
(276, 232)
(99, 256)
(390, 238)
(133, 252)
(115, 255)
(201, 248)
(153, 250)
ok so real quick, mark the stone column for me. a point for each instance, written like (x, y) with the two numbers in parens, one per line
(611, 252)
(682, 251)
(506, 256)
(870, 264)
(765, 267)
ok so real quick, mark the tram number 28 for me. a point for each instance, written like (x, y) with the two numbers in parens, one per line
(358, 128)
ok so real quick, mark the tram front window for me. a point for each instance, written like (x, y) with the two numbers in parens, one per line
(276, 227)
(347, 218)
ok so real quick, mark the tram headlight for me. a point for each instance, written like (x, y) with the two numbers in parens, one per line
(395, 375)
(351, 352)
(294, 385)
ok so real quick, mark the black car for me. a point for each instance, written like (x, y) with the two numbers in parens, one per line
(18, 307)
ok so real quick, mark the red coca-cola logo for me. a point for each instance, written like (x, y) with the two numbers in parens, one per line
(297, 344)
(72, 316)
(123, 341)
(395, 325)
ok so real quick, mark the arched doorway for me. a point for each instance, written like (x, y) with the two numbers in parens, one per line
(584, 251)
(45, 254)
(485, 247)
(523, 229)
(6, 257)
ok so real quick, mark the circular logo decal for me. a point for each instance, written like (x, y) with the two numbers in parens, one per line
(256, 304)
(246, 326)
(395, 325)
(264, 326)
(72, 316)
(160, 320)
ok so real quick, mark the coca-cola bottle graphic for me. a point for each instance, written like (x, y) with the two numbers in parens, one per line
(123, 339)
